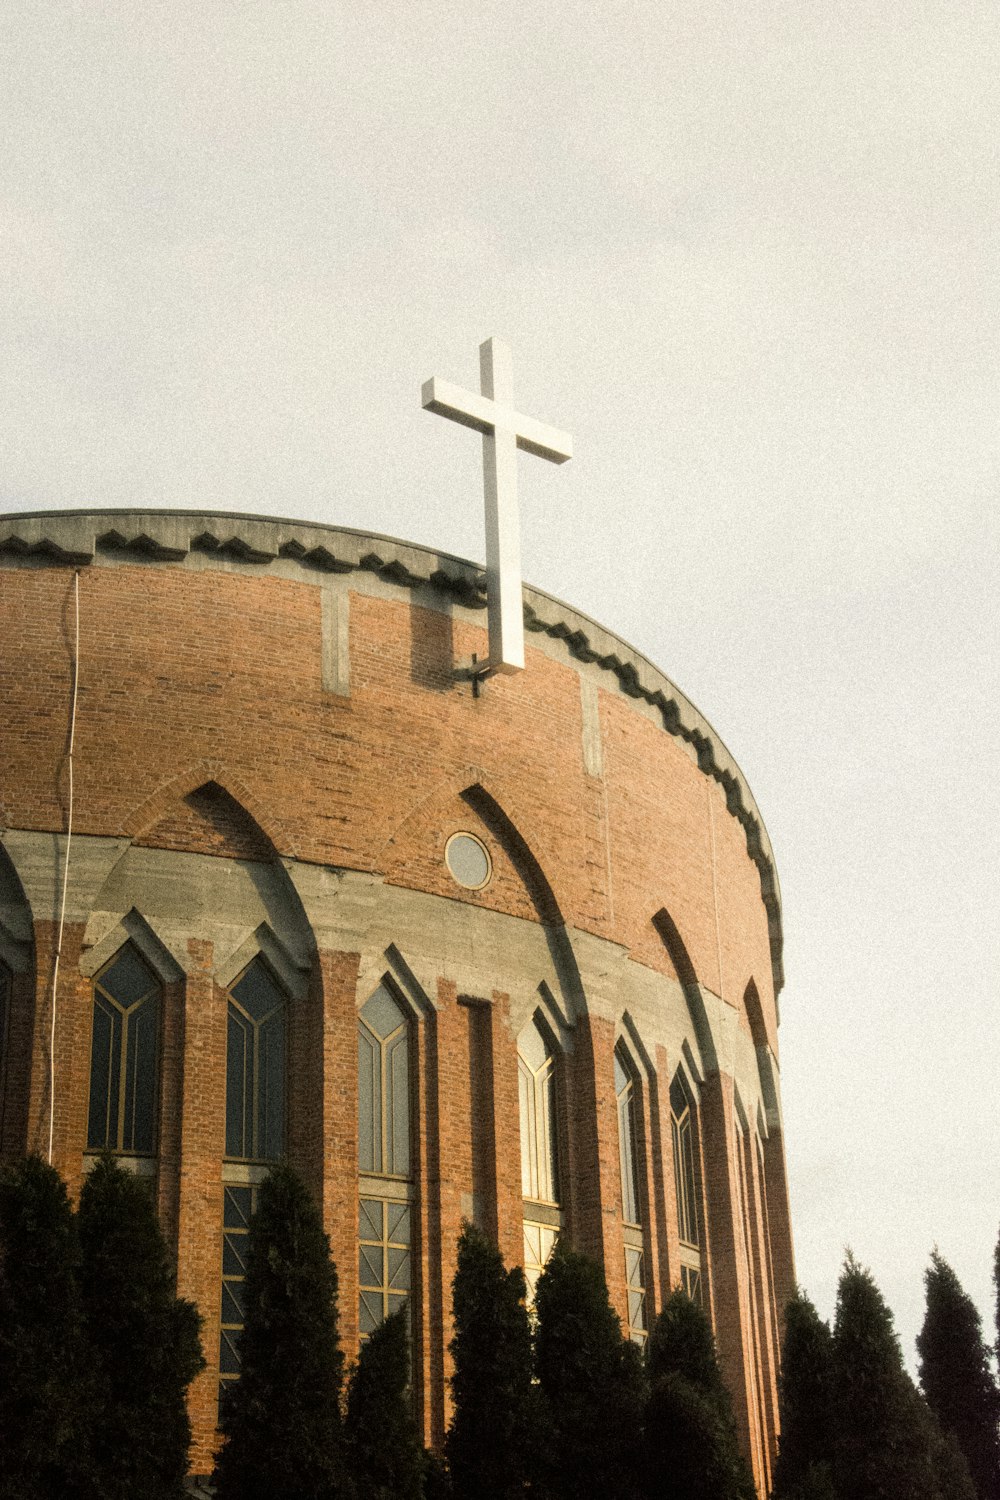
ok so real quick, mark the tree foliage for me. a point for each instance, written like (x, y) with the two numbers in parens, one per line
(887, 1442)
(46, 1389)
(591, 1381)
(494, 1420)
(386, 1458)
(957, 1378)
(805, 1454)
(281, 1425)
(142, 1339)
(691, 1446)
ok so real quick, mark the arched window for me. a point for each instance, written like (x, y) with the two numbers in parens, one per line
(385, 1210)
(255, 1066)
(686, 1184)
(539, 1148)
(626, 1093)
(124, 1057)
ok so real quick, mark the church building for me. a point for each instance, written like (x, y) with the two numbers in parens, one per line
(282, 877)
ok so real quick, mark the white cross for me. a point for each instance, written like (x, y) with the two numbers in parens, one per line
(504, 431)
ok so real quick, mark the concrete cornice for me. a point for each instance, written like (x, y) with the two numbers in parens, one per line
(79, 538)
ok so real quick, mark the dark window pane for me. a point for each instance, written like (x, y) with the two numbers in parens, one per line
(140, 1076)
(370, 1219)
(382, 1013)
(103, 1096)
(229, 1354)
(232, 1303)
(399, 1270)
(238, 1207)
(271, 1097)
(257, 992)
(398, 1112)
(127, 979)
(398, 1225)
(237, 1061)
(369, 1104)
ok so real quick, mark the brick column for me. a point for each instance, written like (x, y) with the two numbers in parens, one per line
(334, 1129)
(199, 1232)
(72, 1054)
(730, 1288)
(502, 1089)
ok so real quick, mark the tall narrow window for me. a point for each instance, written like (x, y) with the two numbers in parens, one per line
(255, 1133)
(384, 1159)
(539, 1150)
(686, 1184)
(255, 1067)
(626, 1092)
(124, 1056)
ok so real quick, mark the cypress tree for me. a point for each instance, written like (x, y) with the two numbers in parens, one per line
(494, 1415)
(691, 1446)
(887, 1443)
(591, 1381)
(143, 1340)
(803, 1466)
(956, 1376)
(386, 1459)
(46, 1390)
(281, 1425)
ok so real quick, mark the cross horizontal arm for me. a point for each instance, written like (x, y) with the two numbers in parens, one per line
(484, 415)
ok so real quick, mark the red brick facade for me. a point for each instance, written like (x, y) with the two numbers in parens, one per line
(274, 740)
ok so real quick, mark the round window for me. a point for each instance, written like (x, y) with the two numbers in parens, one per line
(468, 860)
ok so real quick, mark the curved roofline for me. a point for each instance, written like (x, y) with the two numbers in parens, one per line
(76, 537)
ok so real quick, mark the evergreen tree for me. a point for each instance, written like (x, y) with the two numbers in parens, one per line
(591, 1381)
(803, 1467)
(887, 1443)
(956, 1376)
(281, 1425)
(143, 1340)
(494, 1408)
(691, 1446)
(386, 1458)
(46, 1391)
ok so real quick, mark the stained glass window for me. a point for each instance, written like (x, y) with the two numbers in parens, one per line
(124, 1056)
(383, 1087)
(384, 1260)
(635, 1285)
(686, 1185)
(685, 1177)
(255, 1067)
(537, 1085)
(625, 1091)
(239, 1204)
(386, 1208)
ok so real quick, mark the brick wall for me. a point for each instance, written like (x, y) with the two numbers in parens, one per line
(192, 680)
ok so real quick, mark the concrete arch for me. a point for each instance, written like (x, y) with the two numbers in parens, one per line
(765, 1057)
(681, 960)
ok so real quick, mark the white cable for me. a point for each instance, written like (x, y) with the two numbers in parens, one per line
(65, 879)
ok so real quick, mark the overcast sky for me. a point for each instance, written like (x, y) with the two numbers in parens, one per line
(747, 255)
